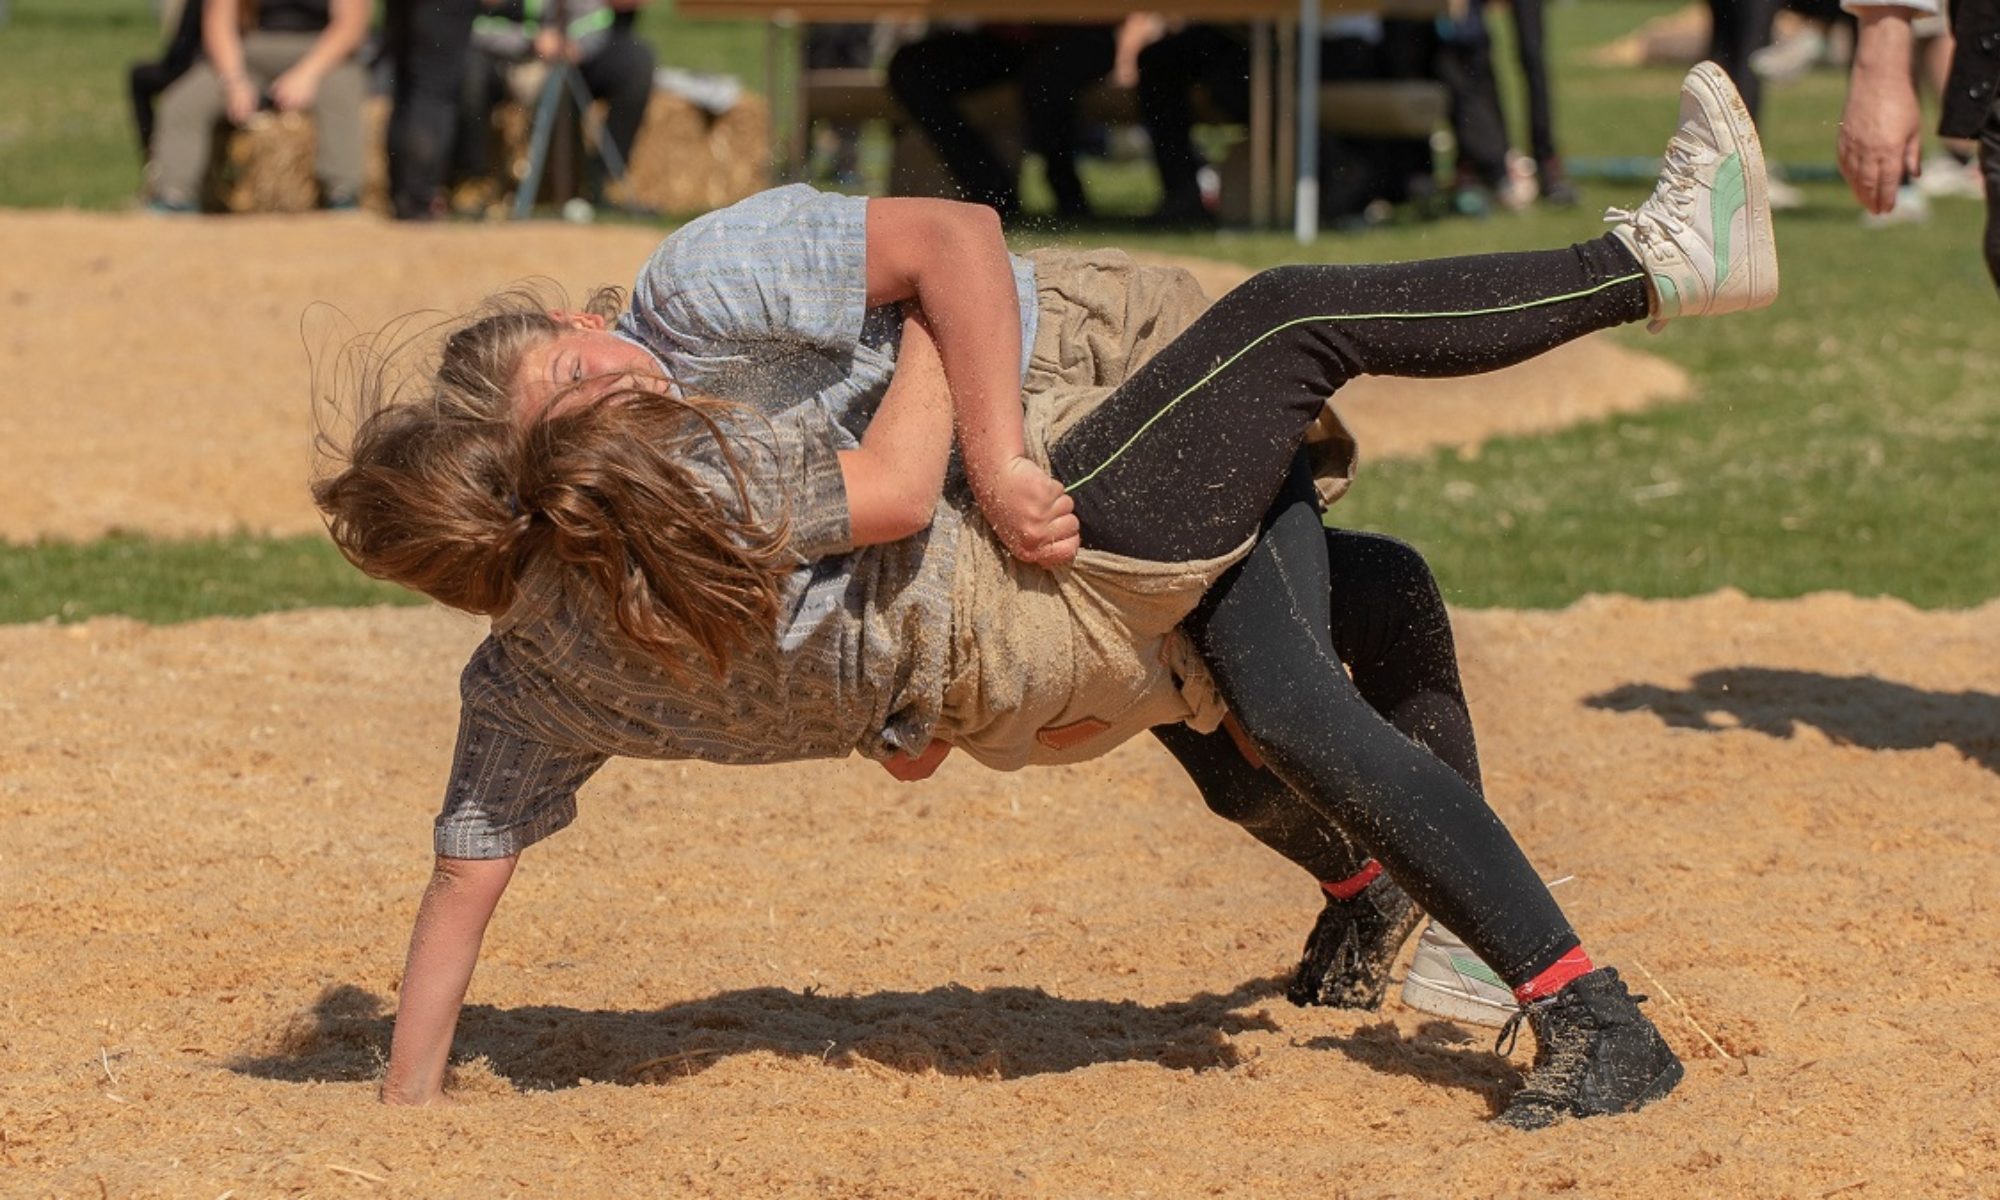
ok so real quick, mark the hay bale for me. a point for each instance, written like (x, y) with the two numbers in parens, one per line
(266, 166)
(686, 161)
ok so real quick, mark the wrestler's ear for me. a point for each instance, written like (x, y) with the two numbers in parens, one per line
(576, 320)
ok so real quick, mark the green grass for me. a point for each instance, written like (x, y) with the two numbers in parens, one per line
(180, 580)
(1846, 439)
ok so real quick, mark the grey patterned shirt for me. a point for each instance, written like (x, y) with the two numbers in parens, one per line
(763, 303)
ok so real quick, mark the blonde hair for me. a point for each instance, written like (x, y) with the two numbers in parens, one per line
(446, 491)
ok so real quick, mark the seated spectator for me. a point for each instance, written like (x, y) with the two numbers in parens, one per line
(595, 36)
(291, 55)
(1053, 65)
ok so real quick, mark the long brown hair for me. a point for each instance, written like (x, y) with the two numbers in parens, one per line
(443, 489)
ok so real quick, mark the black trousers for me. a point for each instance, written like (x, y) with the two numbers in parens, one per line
(1189, 457)
(1989, 168)
(1738, 29)
(1388, 626)
(1053, 65)
(1530, 50)
(427, 41)
(1206, 56)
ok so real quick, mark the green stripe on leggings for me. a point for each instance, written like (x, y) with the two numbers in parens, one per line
(1276, 330)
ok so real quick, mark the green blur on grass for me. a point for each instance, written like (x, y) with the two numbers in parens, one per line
(1847, 439)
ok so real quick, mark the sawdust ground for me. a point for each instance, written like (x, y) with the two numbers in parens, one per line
(809, 980)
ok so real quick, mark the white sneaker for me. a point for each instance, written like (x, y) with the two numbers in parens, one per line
(1451, 981)
(1704, 235)
(1947, 178)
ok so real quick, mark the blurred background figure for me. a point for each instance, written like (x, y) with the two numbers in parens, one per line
(1464, 64)
(1552, 184)
(426, 42)
(1166, 61)
(1881, 129)
(181, 22)
(841, 46)
(1052, 65)
(1737, 30)
(513, 45)
(289, 55)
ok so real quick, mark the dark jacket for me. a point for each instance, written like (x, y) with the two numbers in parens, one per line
(1975, 67)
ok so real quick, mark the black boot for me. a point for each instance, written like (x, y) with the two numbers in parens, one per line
(1595, 1053)
(1351, 948)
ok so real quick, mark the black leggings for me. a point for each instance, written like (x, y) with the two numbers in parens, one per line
(1387, 624)
(1216, 418)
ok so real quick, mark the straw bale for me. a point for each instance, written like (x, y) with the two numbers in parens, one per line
(687, 161)
(265, 167)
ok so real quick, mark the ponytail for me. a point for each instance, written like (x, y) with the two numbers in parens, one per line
(449, 494)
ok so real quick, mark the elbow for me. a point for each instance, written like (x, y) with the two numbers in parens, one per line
(910, 515)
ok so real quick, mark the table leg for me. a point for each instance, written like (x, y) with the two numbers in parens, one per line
(1285, 144)
(1305, 195)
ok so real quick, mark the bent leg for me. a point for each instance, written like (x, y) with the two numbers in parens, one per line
(1218, 413)
(1265, 635)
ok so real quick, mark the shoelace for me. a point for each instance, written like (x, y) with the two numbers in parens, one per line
(1511, 1031)
(1672, 203)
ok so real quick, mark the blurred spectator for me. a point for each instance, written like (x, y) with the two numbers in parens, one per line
(426, 44)
(148, 79)
(1362, 176)
(1052, 64)
(1166, 62)
(1531, 52)
(1464, 65)
(1737, 30)
(292, 55)
(1881, 136)
(836, 47)
(511, 38)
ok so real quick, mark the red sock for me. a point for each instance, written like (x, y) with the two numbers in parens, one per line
(1353, 885)
(1555, 977)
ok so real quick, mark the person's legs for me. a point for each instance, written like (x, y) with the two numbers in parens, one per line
(1389, 628)
(1169, 70)
(1219, 412)
(621, 75)
(483, 82)
(183, 134)
(1054, 73)
(1989, 166)
(427, 41)
(338, 156)
(928, 76)
(1738, 29)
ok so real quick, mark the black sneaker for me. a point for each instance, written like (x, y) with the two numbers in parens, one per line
(1595, 1054)
(1351, 948)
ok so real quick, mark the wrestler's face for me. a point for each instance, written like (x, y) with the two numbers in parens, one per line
(580, 365)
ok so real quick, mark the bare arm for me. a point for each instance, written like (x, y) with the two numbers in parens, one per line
(1880, 136)
(222, 45)
(346, 27)
(444, 947)
(893, 481)
(951, 259)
